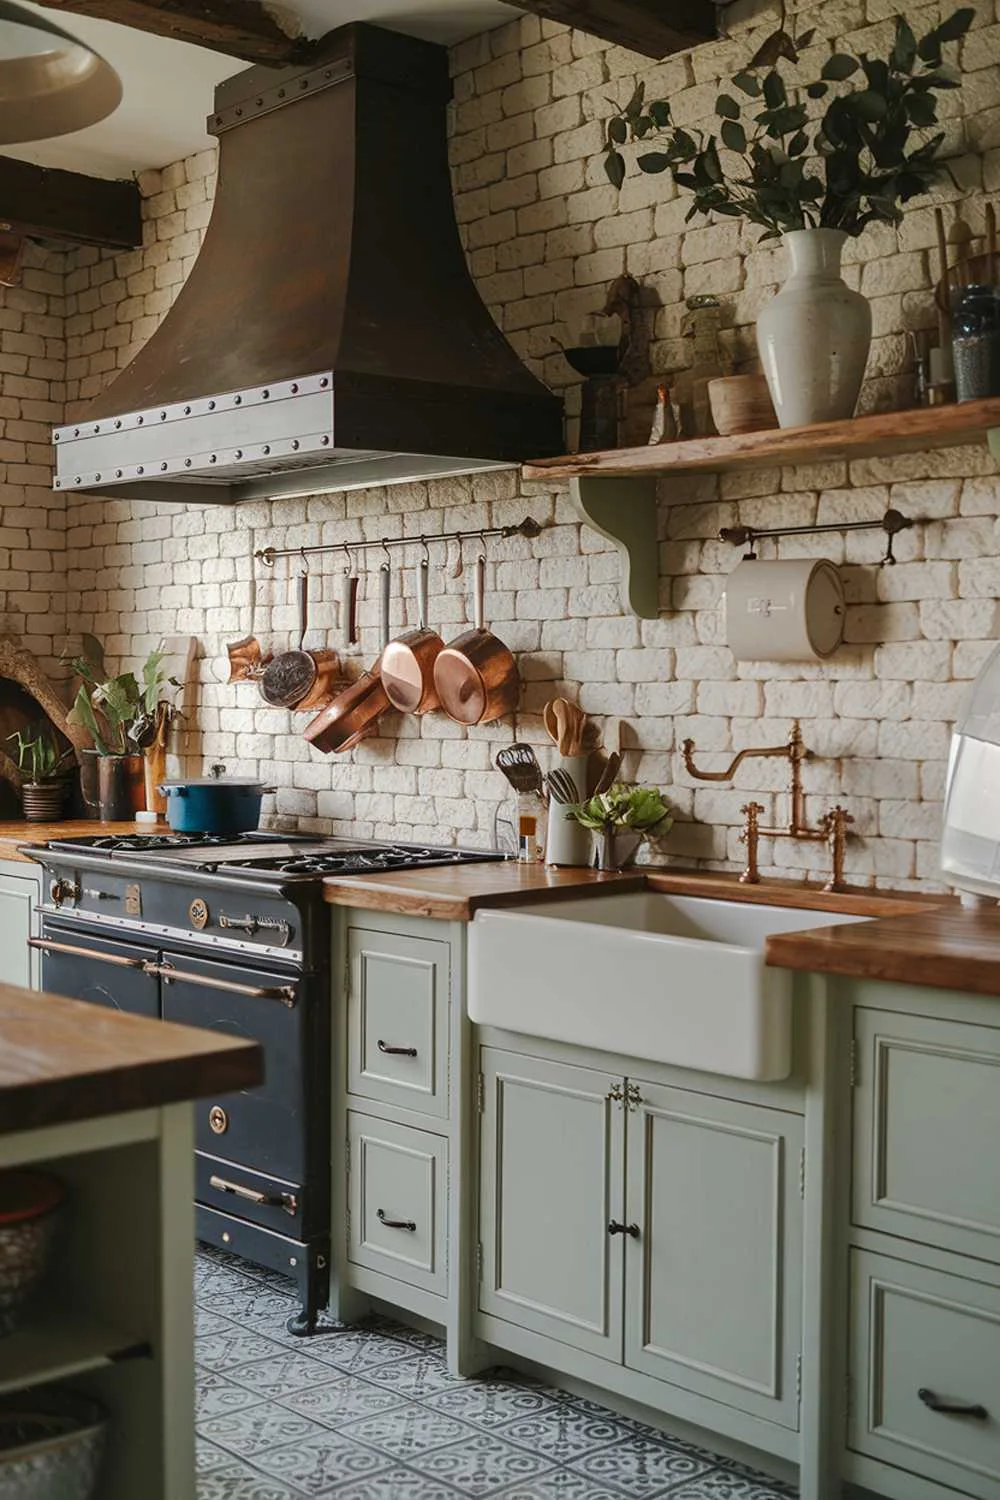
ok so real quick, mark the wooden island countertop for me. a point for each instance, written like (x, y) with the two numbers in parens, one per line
(65, 1060)
(12, 834)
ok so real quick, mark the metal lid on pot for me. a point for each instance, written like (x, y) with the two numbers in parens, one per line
(217, 777)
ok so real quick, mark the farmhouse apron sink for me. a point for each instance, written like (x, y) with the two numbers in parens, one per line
(671, 979)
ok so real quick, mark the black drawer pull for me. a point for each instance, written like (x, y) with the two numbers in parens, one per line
(632, 1230)
(407, 1224)
(396, 1051)
(286, 1201)
(953, 1408)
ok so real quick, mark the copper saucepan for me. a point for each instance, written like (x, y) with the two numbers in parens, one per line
(408, 662)
(299, 678)
(476, 675)
(354, 714)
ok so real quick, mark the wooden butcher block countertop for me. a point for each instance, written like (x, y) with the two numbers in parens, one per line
(63, 1060)
(12, 834)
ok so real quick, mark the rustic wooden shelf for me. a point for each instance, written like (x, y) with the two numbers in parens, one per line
(861, 437)
(614, 491)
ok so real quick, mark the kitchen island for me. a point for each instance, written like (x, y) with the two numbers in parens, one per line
(101, 1100)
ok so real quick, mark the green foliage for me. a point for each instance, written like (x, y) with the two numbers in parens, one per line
(39, 757)
(639, 808)
(120, 715)
(856, 163)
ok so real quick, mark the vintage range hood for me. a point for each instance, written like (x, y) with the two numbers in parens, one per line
(329, 334)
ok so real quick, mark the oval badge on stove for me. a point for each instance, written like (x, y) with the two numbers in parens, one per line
(198, 912)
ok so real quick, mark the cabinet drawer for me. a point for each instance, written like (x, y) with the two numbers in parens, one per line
(398, 1195)
(917, 1330)
(397, 1020)
(926, 1124)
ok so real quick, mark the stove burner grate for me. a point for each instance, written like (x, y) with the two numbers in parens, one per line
(364, 862)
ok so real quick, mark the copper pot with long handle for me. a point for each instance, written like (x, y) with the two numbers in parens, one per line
(354, 714)
(476, 675)
(300, 679)
(408, 662)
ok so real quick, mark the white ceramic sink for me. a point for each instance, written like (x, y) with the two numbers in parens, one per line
(672, 979)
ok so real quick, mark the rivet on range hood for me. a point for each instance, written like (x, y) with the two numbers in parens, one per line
(329, 335)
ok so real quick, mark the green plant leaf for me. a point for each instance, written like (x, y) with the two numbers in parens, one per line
(956, 25)
(653, 161)
(904, 48)
(774, 91)
(660, 111)
(726, 107)
(617, 131)
(82, 713)
(868, 105)
(806, 39)
(614, 167)
(817, 90)
(839, 66)
(633, 108)
(798, 143)
(733, 135)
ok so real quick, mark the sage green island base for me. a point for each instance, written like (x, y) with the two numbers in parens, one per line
(774, 1269)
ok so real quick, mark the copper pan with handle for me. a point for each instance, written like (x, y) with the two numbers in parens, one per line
(476, 675)
(300, 679)
(354, 714)
(408, 661)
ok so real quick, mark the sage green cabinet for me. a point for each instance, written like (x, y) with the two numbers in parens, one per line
(714, 1278)
(398, 1184)
(649, 1225)
(397, 1020)
(918, 1330)
(551, 1182)
(927, 1131)
(19, 895)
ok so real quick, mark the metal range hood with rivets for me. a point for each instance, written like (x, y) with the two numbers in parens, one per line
(329, 334)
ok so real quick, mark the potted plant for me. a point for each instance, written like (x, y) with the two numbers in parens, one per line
(123, 718)
(620, 819)
(43, 766)
(812, 165)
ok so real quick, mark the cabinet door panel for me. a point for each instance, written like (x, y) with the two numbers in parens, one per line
(714, 1280)
(927, 1100)
(398, 1196)
(551, 1183)
(18, 898)
(913, 1330)
(397, 1020)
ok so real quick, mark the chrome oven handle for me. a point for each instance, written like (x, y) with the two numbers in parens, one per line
(286, 1201)
(48, 946)
(284, 993)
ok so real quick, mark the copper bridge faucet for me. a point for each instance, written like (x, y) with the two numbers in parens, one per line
(833, 826)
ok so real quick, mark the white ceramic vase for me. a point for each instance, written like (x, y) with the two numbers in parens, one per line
(813, 338)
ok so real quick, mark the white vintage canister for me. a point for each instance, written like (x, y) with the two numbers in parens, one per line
(787, 610)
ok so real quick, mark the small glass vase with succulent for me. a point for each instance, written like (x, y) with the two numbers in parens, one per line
(620, 819)
(128, 720)
(44, 766)
(812, 163)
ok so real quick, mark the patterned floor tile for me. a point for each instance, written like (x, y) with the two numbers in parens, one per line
(318, 1464)
(406, 1430)
(490, 1403)
(236, 1482)
(723, 1484)
(356, 1351)
(282, 1373)
(481, 1465)
(561, 1484)
(233, 1346)
(564, 1433)
(255, 1429)
(346, 1398)
(396, 1484)
(416, 1377)
(641, 1466)
(215, 1395)
(207, 1456)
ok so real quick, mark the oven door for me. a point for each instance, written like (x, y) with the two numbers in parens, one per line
(263, 1128)
(82, 966)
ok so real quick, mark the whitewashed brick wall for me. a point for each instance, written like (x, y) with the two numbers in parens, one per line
(544, 234)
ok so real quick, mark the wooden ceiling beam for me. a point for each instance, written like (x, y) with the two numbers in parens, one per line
(48, 203)
(241, 28)
(655, 28)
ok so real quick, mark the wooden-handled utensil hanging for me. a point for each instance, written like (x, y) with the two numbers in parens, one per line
(476, 675)
(300, 678)
(349, 602)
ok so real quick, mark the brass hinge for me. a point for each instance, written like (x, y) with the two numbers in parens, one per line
(802, 1172)
(479, 1260)
(481, 1094)
(854, 1071)
(798, 1379)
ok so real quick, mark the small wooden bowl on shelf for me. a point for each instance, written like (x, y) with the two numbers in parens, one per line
(741, 403)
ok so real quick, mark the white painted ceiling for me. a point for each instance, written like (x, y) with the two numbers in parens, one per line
(168, 85)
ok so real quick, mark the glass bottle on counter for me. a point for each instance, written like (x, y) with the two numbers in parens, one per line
(530, 828)
(976, 343)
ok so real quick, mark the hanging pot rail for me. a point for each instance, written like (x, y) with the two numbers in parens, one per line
(528, 527)
(892, 523)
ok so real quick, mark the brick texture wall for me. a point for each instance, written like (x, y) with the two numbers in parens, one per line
(544, 234)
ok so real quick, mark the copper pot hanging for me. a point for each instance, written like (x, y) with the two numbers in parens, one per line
(300, 679)
(408, 662)
(354, 714)
(476, 675)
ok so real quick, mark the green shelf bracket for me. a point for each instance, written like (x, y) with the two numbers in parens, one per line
(623, 509)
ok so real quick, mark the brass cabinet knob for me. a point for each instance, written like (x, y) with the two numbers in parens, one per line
(218, 1119)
